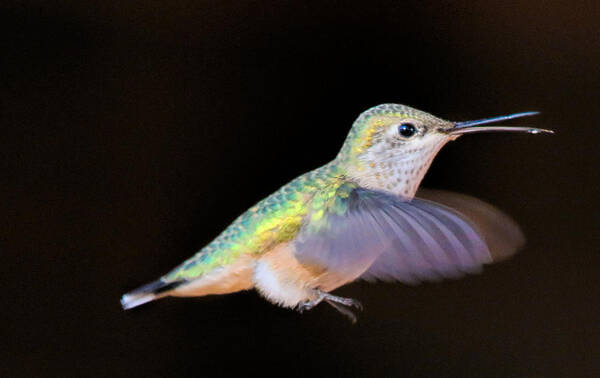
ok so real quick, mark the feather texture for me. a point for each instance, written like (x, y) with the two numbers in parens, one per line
(376, 235)
(501, 233)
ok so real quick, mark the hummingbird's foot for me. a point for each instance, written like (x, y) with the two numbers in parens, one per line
(339, 303)
(349, 302)
(310, 304)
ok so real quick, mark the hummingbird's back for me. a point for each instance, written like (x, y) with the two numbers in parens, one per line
(273, 220)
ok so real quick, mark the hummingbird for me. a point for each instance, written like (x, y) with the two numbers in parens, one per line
(359, 217)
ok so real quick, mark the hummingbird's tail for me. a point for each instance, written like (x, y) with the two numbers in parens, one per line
(147, 293)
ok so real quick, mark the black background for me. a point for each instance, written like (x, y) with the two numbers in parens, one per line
(132, 133)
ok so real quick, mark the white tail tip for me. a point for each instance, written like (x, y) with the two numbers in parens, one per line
(133, 300)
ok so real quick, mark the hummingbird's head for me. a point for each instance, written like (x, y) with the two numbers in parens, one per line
(390, 147)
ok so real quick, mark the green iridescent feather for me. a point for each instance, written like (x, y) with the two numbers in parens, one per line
(274, 220)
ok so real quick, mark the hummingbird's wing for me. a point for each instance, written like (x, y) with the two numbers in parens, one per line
(382, 236)
(502, 234)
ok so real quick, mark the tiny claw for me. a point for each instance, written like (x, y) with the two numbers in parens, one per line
(344, 301)
(351, 303)
(343, 310)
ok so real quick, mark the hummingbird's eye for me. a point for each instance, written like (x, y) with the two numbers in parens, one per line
(407, 130)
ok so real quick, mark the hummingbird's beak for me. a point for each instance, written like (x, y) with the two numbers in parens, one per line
(468, 127)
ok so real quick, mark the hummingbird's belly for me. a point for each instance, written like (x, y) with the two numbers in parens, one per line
(283, 280)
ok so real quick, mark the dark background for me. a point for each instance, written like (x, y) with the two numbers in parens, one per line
(132, 133)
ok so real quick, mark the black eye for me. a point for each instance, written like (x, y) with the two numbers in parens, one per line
(407, 130)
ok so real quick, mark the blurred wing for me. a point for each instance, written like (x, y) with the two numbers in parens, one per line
(382, 236)
(502, 234)
(341, 233)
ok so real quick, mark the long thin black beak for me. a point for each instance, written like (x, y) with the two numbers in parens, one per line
(472, 126)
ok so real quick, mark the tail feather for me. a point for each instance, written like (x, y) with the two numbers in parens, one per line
(147, 293)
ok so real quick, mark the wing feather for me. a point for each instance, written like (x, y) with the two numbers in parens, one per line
(501, 233)
(376, 235)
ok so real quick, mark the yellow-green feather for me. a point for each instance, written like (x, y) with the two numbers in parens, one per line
(274, 220)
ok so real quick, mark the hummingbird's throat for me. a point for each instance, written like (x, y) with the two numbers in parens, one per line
(397, 172)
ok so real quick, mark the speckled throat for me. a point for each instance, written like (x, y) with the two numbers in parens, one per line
(400, 174)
